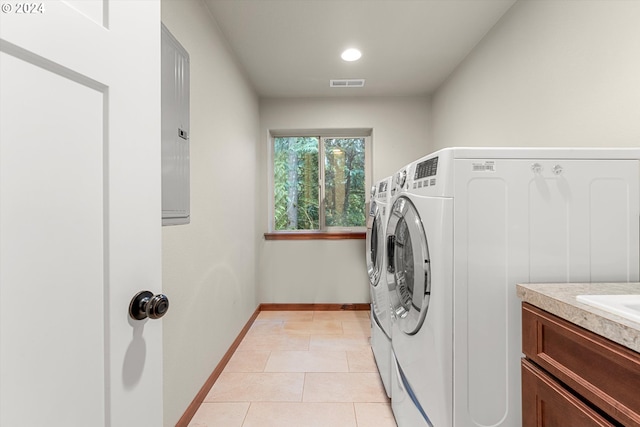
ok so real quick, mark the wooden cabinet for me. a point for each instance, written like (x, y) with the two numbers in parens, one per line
(574, 378)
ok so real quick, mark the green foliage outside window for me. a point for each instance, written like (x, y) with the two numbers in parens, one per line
(297, 183)
(344, 182)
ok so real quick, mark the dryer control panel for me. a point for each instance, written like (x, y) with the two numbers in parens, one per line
(427, 168)
(425, 173)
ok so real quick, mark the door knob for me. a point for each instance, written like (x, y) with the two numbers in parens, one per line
(144, 304)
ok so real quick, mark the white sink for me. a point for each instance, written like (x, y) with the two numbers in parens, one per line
(627, 306)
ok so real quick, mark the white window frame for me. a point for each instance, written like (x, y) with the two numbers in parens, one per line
(322, 134)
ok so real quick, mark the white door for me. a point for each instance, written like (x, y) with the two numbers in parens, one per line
(79, 213)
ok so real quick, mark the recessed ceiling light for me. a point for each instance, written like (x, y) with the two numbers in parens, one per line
(351, 55)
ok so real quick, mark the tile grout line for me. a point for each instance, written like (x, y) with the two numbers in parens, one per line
(246, 414)
(355, 415)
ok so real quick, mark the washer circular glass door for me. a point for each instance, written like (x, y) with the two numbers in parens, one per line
(375, 244)
(408, 266)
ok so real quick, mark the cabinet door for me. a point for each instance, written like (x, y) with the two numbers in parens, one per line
(545, 403)
(601, 371)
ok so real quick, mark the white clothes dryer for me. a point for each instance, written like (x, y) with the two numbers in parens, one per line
(467, 226)
(376, 265)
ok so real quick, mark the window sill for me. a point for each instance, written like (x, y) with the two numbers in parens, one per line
(314, 235)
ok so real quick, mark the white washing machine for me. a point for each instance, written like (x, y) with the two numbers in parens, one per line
(376, 265)
(466, 227)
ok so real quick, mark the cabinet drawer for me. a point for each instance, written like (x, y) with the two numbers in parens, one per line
(545, 403)
(601, 371)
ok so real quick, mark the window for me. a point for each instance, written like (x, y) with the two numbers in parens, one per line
(320, 182)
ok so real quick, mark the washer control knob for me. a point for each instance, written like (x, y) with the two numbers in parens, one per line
(557, 170)
(536, 168)
(401, 178)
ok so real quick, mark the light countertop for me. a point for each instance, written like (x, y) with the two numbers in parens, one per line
(560, 299)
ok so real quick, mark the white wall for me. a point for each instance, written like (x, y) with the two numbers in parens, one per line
(209, 266)
(550, 73)
(333, 271)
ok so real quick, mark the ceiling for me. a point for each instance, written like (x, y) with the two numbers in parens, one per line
(291, 48)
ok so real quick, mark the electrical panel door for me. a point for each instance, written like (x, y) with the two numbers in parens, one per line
(175, 131)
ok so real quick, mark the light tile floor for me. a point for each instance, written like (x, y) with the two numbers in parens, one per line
(303, 369)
